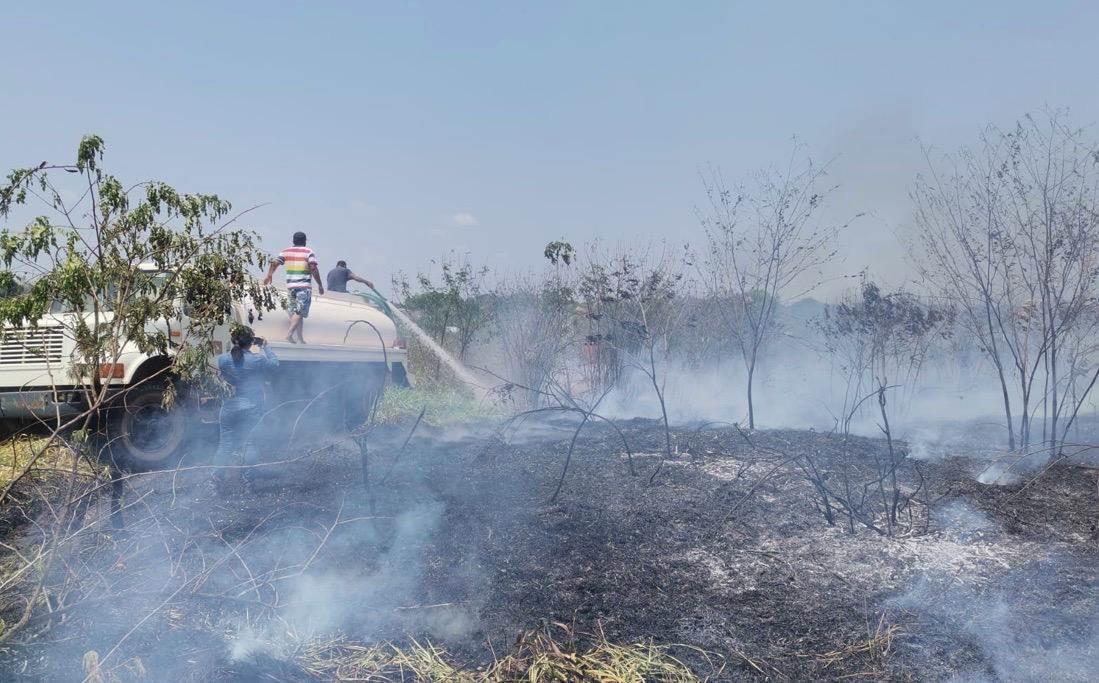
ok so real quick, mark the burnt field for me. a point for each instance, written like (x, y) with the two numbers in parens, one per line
(726, 559)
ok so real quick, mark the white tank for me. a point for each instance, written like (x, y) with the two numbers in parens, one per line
(340, 328)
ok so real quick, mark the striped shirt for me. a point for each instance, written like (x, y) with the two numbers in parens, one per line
(298, 262)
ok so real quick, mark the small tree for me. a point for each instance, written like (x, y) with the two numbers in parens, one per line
(535, 324)
(454, 310)
(146, 254)
(121, 267)
(761, 247)
(634, 298)
(880, 342)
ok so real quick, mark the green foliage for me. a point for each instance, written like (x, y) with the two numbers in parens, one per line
(559, 252)
(445, 406)
(629, 295)
(123, 266)
(886, 317)
(883, 334)
(452, 310)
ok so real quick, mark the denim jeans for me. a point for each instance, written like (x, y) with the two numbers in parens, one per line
(236, 427)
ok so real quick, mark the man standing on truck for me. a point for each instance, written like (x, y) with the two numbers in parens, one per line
(340, 275)
(301, 267)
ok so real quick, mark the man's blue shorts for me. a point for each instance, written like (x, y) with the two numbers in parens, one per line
(300, 298)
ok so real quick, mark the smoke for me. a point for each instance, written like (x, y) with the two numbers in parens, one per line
(1007, 617)
(354, 599)
(963, 522)
(1005, 635)
(299, 556)
(799, 388)
(442, 354)
(1018, 641)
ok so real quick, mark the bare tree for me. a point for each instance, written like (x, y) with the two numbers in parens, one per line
(1081, 353)
(1054, 206)
(764, 246)
(535, 324)
(629, 299)
(960, 254)
(1010, 233)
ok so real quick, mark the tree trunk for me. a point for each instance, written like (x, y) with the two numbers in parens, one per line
(442, 338)
(1007, 407)
(1045, 401)
(1000, 373)
(1024, 418)
(1054, 448)
(751, 404)
(891, 508)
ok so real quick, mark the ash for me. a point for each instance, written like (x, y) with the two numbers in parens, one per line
(726, 552)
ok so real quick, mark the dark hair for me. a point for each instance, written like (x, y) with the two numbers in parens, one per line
(299, 239)
(341, 264)
(242, 338)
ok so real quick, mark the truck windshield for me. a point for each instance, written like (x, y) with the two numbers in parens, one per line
(107, 298)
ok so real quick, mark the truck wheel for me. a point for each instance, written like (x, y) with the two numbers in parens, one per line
(142, 434)
(400, 376)
(363, 392)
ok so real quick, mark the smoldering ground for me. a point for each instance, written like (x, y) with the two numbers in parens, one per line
(725, 553)
(199, 582)
(1021, 636)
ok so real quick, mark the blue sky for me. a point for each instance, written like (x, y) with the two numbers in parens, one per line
(394, 132)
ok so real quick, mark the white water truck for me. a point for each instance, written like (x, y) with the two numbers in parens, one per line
(342, 370)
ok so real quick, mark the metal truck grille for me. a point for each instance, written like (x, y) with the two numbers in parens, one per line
(31, 346)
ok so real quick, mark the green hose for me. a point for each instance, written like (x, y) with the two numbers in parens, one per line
(373, 297)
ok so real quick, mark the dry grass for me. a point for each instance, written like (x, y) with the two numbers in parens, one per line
(550, 655)
(540, 656)
(34, 479)
(872, 652)
(341, 661)
(130, 670)
(17, 452)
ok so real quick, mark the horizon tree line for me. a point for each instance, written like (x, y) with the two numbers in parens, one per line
(1004, 233)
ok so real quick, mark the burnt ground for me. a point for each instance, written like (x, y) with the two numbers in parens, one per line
(726, 552)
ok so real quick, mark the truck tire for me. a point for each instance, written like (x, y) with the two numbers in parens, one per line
(365, 388)
(400, 376)
(141, 434)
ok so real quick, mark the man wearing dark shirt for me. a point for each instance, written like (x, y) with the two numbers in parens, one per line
(338, 277)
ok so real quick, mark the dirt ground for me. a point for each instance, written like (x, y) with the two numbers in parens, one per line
(725, 557)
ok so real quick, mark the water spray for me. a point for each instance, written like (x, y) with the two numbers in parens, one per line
(375, 297)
